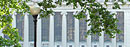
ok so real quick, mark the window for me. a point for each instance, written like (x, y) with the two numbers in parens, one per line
(70, 27)
(70, 45)
(95, 45)
(120, 17)
(58, 45)
(82, 29)
(20, 25)
(107, 38)
(120, 45)
(5, 35)
(107, 45)
(82, 46)
(95, 38)
(57, 26)
(31, 28)
(45, 28)
(45, 45)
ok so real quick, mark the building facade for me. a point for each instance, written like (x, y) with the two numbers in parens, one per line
(63, 30)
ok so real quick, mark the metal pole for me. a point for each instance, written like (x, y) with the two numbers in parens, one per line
(35, 30)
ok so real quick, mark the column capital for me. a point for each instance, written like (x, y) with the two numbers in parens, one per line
(52, 14)
(75, 12)
(15, 13)
(113, 11)
(63, 13)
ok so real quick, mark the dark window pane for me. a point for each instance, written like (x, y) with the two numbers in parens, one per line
(70, 27)
(31, 28)
(82, 29)
(57, 26)
(82, 46)
(120, 45)
(45, 29)
(107, 38)
(70, 45)
(95, 38)
(95, 45)
(120, 17)
(20, 25)
(58, 45)
(5, 36)
(107, 46)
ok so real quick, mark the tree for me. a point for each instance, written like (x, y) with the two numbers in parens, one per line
(100, 18)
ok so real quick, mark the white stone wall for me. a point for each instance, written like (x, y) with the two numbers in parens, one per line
(76, 43)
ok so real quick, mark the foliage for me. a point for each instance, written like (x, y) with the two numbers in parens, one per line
(100, 18)
(7, 8)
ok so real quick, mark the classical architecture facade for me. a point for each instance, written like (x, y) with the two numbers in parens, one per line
(63, 30)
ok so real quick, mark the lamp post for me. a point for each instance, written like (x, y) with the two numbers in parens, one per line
(35, 11)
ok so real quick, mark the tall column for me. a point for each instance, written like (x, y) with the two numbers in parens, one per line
(64, 29)
(1, 34)
(76, 35)
(101, 40)
(89, 44)
(39, 42)
(51, 33)
(26, 30)
(126, 29)
(114, 39)
(14, 20)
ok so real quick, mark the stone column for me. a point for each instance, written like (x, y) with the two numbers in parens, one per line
(1, 34)
(26, 30)
(114, 39)
(76, 32)
(101, 40)
(89, 44)
(64, 29)
(126, 28)
(39, 30)
(14, 20)
(51, 33)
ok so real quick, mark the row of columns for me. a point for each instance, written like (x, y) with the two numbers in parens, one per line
(64, 32)
(89, 44)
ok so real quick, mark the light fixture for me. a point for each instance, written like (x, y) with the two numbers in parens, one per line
(35, 10)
